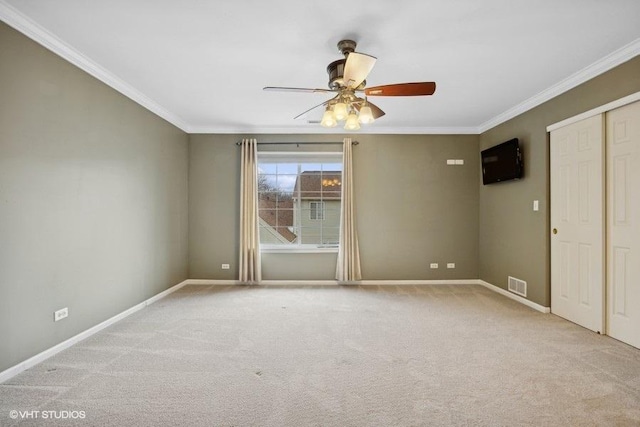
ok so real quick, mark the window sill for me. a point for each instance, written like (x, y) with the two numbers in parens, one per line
(298, 249)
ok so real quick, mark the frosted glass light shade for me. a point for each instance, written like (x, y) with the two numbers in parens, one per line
(328, 119)
(340, 111)
(352, 122)
(366, 115)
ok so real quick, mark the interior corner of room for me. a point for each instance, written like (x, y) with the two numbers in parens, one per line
(104, 205)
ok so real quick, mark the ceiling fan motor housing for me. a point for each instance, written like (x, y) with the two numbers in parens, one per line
(336, 68)
(336, 71)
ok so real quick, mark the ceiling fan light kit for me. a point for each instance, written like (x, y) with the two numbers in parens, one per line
(346, 80)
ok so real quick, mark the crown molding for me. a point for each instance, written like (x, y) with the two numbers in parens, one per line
(610, 61)
(29, 28)
(319, 130)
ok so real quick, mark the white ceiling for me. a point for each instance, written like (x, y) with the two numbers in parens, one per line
(201, 64)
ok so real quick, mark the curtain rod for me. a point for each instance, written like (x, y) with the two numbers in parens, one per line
(301, 143)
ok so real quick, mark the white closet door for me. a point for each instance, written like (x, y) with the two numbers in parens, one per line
(623, 224)
(577, 221)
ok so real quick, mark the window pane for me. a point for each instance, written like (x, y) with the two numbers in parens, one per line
(331, 185)
(310, 185)
(332, 193)
(270, 168)
(328, 167)
(284, 218)
(311, 235)
(288, 168)
(299, 201)
(270, 236)
(288, 235)
(285, 201)
(310, 167)
(266, 182)
(330, 235)
(267, 196)
(285, 183)
(268, 215)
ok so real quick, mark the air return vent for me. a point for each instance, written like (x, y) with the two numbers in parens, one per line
(518, 286)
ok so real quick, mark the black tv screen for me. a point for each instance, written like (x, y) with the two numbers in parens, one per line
(502, 162)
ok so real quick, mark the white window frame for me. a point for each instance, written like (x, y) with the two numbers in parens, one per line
(299, 157)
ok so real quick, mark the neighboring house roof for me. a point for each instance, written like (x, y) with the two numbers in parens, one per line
(279, 220)
(315, 185)
(270, 231)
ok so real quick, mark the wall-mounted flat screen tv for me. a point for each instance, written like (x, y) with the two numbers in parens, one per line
(502, 162)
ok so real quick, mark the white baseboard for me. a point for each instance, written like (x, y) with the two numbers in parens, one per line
(515, 297)
(298, 283)
(210, 282)
(206, 282)
(416, 282)
(40, 357)
(217, 282)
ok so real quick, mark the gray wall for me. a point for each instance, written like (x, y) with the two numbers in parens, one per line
(412, 209)
(93, 200)
(514, 240)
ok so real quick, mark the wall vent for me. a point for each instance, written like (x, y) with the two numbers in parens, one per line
(518, 286)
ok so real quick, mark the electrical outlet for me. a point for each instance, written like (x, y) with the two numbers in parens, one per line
(60, 314)
(225, 266)
(451, 265)
(434, 265)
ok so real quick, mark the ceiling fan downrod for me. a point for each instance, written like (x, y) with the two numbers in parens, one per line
(346, 47)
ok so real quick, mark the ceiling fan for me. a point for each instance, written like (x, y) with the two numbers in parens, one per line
(347, 81)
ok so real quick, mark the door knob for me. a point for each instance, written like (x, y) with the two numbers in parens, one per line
(555, 231)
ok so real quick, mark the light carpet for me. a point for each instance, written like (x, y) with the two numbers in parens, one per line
(334, 356)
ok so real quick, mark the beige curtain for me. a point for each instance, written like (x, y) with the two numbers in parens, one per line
(348, 269)
(250, 270)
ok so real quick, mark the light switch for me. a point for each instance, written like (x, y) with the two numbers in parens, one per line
(451, 162)
(536, 206)
(460, 162)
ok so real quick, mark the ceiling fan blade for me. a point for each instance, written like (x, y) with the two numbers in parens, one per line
(357, 68)
(295, 89)
(313, 108)
(402, 89)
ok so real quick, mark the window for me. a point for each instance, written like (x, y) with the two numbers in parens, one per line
(316, 210)
(299, 198)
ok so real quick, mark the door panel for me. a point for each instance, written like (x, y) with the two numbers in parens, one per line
(623, 228)
(577, 218)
